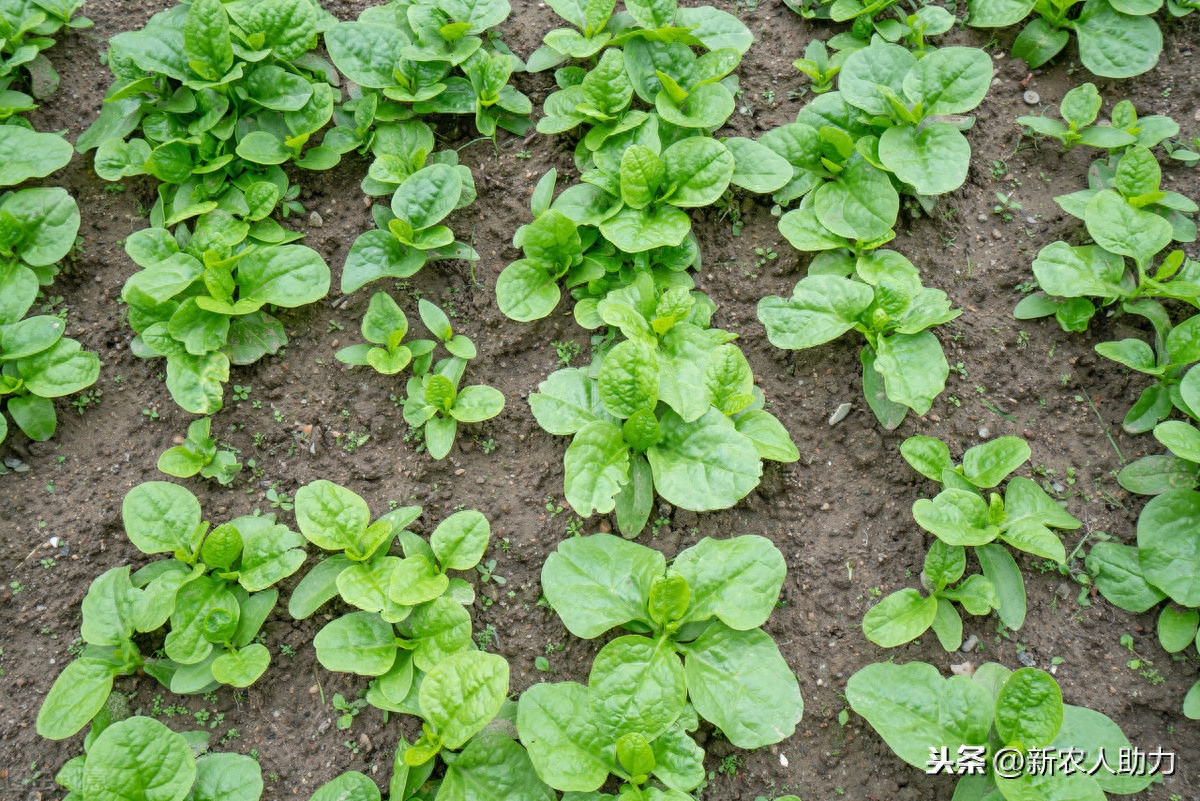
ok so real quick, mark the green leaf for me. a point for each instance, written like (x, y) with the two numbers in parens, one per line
(738, 681)
(914, 369)
(162, 518)
(26, 154)
(463, 693)
(77, 696)
(988, 464)
(596, 466)
(564, 742)
(637, 230)
(1118, 576)
(365, 52)
(1038, 42)
(366, 585)
(460, 540)
(1029, 709)
(378, 254)
(737, 580)
(1067, 271)
(318, 586)
(243, 667)
(770, 438)
(1169, 545)
(899, 618)
(637, 685)
(1177, 628)
(599, 582)
(477, 403)
(350, 786)
(697, 171)
(1116, 45)
(1092, 732)
(110, 608)
(227, 777)
(360, 642)
(525, 291)
(1133, 353)
(705, 464)
(427, 196)
(286, 275)
(206, 42)
(928, 456)
(437, 629)
(821, 308)
(956, 517)
(861, 203)
(330, 516)
(757, 167)
(493, 768)
(628, 379)
(951, 80)
(1181, 438)
(934, 159)
(139, 758)
(1152, 475)
(635, 501)
(34, 416)
(50, 219)
(914, 709)
(565, 402)
(1119, 227)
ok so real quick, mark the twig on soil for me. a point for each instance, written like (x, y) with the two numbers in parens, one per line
(1107, 433)
(320, 689)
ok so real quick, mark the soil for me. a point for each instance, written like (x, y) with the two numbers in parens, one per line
(841, 516)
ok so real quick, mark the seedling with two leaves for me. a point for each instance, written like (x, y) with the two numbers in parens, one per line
(200, 453)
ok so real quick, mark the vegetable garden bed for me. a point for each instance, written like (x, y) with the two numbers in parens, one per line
(335, 404)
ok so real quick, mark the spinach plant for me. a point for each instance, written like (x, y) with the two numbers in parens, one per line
(37, 226)
(1166, 361)
(37, 363)
(200, 453)
(628, 442)
(1117, 38)
(706, 609)
(929, 721)
(139, 757)
(595, 26)
(434, 57)
(961, 516)
(893, 125)
(1161, 565)
(25, 154)
(577, 736)
(1127, 215)
(905, 614)
(870, 19)
(435, 405)
(199, 301)
(1079, 110)
(214, 594)
(26, 28)
(819, 67)
(424, 191)
(880, 295)
(413, 591)
(218, 94)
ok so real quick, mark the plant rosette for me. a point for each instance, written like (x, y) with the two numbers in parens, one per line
(213, 596)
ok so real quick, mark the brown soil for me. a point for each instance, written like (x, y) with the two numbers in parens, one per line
(841, 516)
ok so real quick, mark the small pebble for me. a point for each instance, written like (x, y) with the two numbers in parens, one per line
(981, 217)
(984, 431)
(313, 690)
(315, 220)
(1031, 97)
(1025, 659)
(965, 669)
(969, 645)
(996, 234)
(1058, 487)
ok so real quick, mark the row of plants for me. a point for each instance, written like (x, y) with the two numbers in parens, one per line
(694, 650)
(38, 228)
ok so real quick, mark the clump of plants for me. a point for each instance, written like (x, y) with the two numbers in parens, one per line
(432, 57)
(705, 651)
(879, 294)
(201, 297)
(880, 18)
(425, 185)
(1116, 38)
(434, 404)
(200, 453)
(961, 516)
(210, 98)
(1080, 109)
(139, 757)
(26, 31)
(957, 725)
(212, 596)
(1128, 216)
(670, 409)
